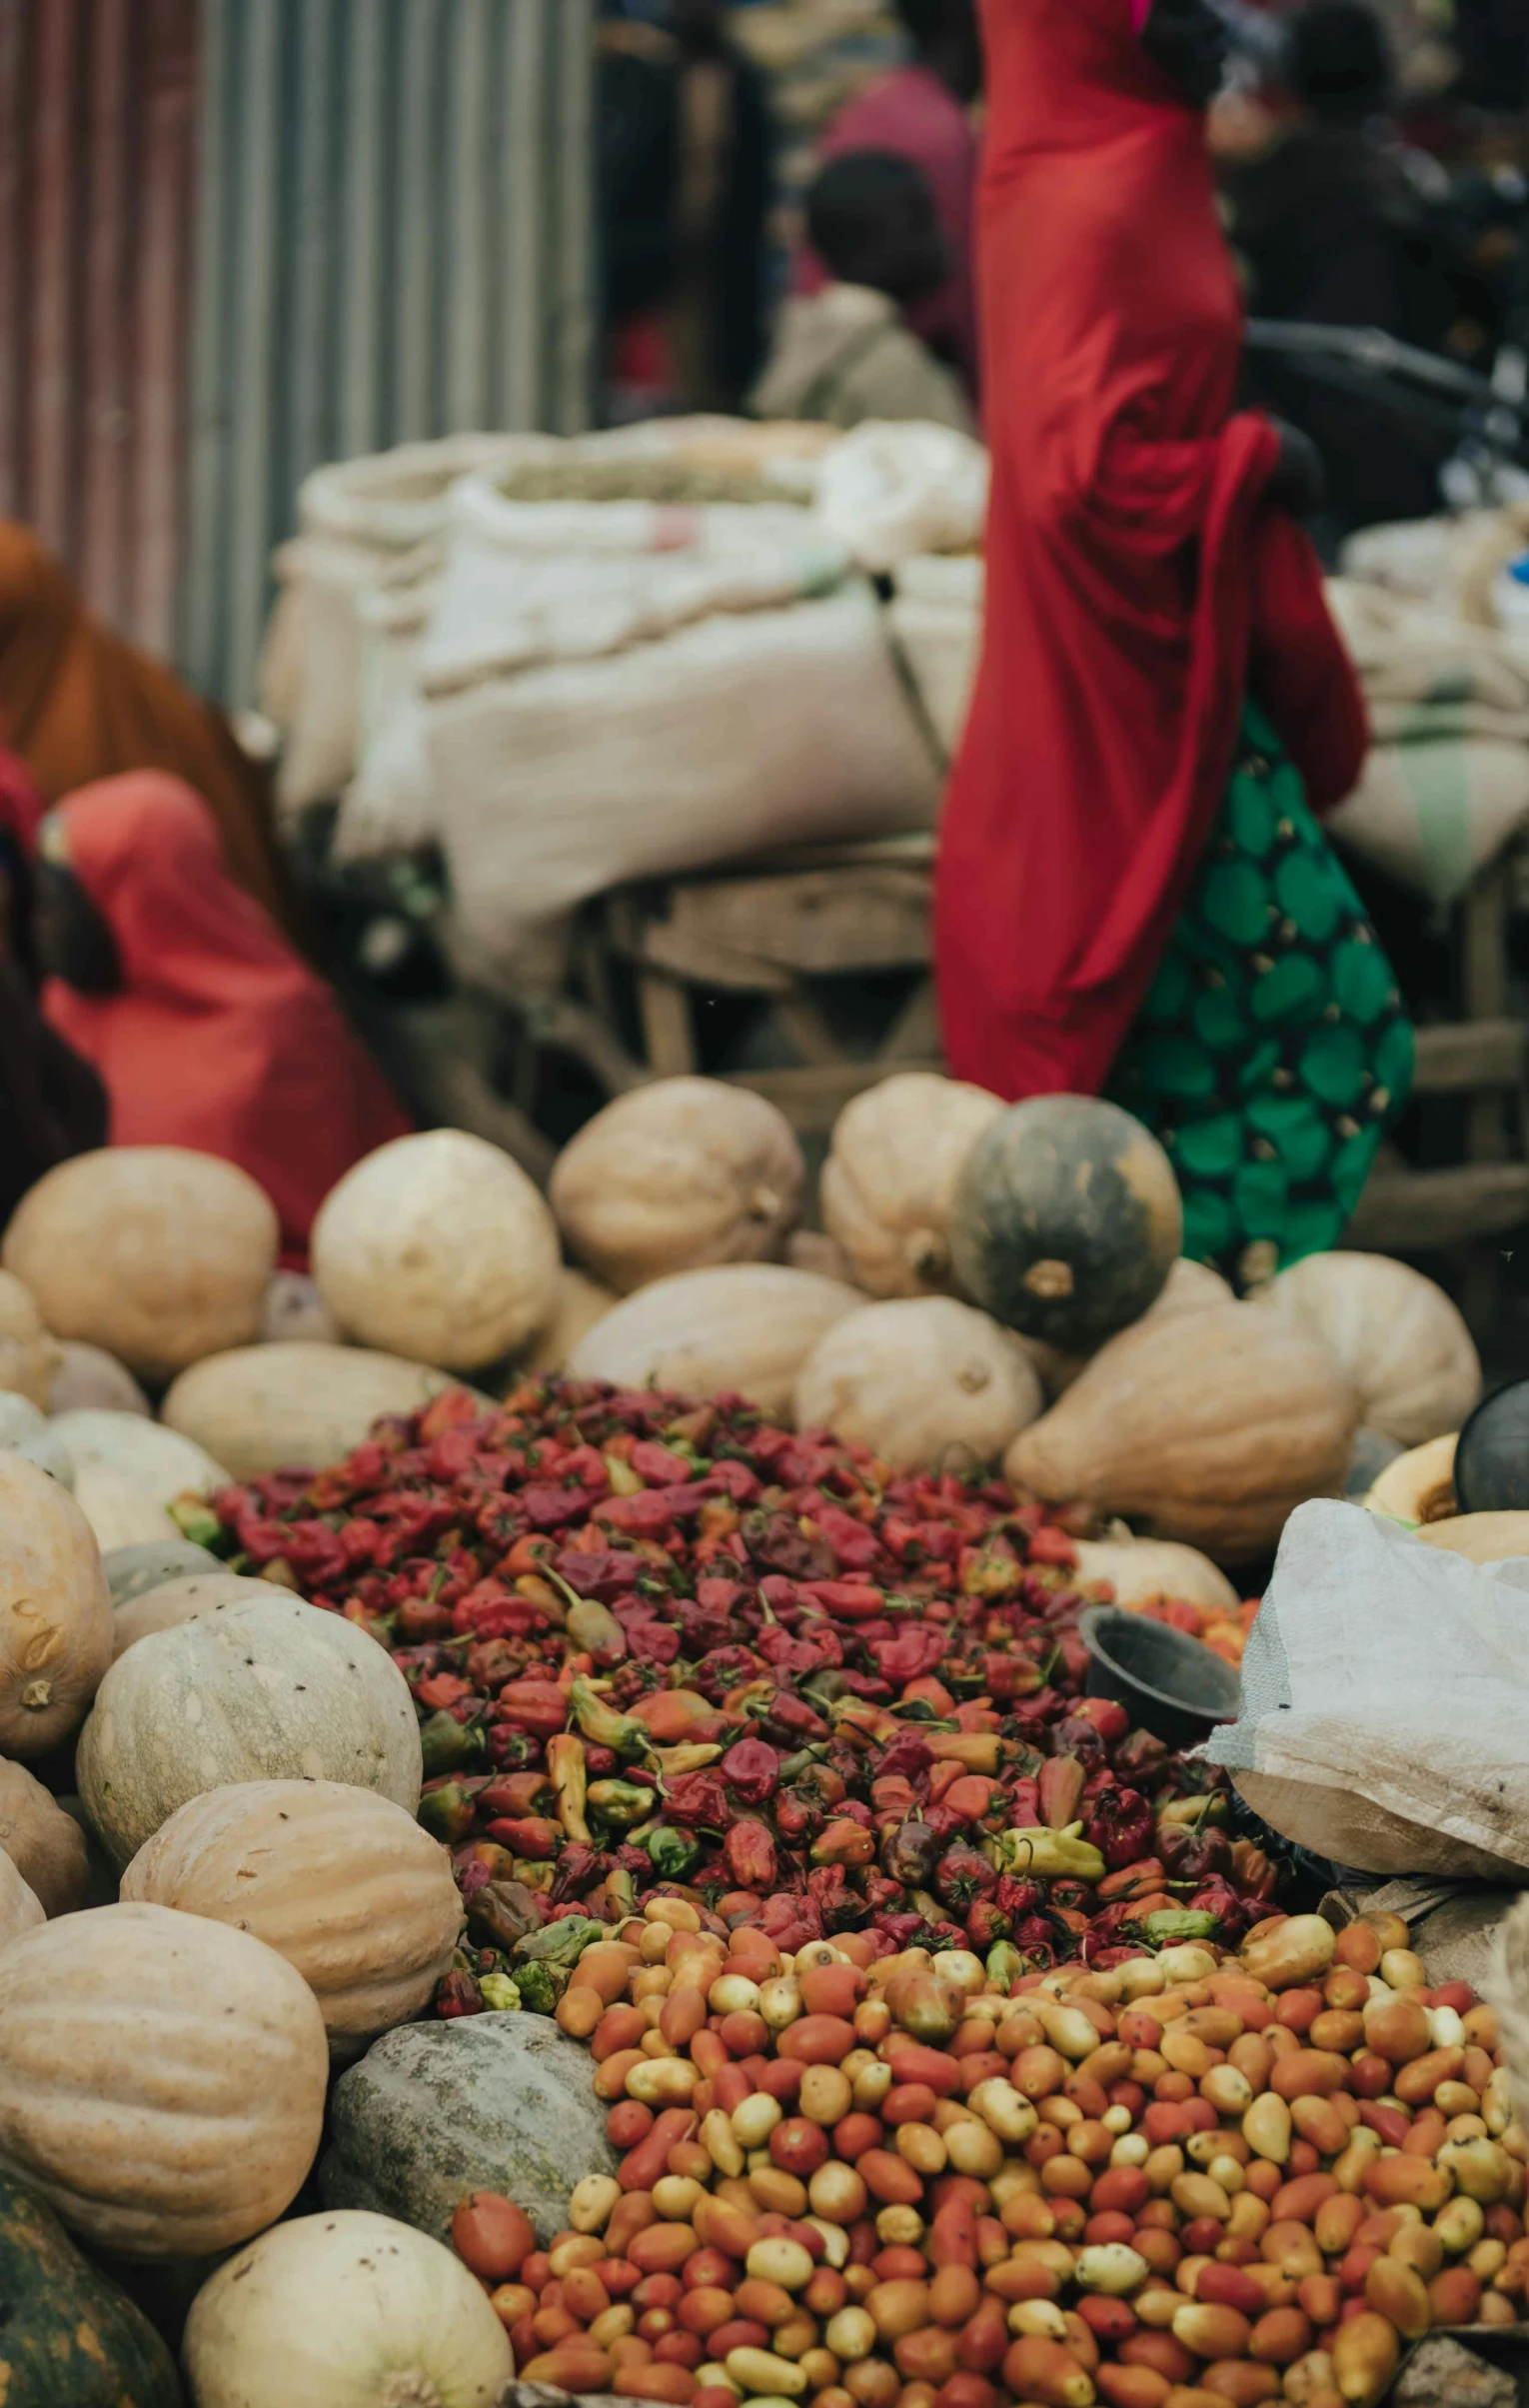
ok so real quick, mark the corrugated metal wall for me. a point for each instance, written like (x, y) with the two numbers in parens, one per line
(394, 241)
(97, 134)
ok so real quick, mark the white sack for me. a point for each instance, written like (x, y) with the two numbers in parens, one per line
(936, 618)
(890, 490)
(1385, 1695)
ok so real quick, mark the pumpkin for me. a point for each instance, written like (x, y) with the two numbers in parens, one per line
(88, 1378)
(257, 1689)
(28, 1354)
(157, 1254)
(69, 2338)
(1142, 1570)
(438, 1248)
(162, 2078)
(1188, 1284)
(1419, 1485)
(294, 1310)
(55, 1613)
(261, 1407)
(45, 1845)
(132, 1571)
(1402, 1342)
(742, 1328)
(675, 1175)
(343, 1883)
(23, 1431)
(1208, 1427)
(346, 2310)
(1066, 1220)
(888, 1183)
(159, 1461)
(1480, 1538)
(921, 1380)
(121, 1513)
(177, 1601)
(20, 1907)
(581, 1303)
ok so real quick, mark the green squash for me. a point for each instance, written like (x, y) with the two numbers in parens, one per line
(68, 2337)
(1068, 1221)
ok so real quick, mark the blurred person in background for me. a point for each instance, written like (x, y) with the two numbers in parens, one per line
(205, 1027)
(844, 353)
(1336, 225)
(923, 112)
(52, 1104)
(1134, 895)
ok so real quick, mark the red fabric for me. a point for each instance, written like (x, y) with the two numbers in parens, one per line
(911, 113)
(21, 803)
(1134, 576)
(220, 1038)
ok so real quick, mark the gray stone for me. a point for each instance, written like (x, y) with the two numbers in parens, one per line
(485, 2102)
(1440, 2374)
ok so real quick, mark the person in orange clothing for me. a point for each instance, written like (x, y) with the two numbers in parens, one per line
(77, 703)
(206, 1028)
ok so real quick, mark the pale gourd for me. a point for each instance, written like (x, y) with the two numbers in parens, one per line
(581, 1303)
(344, 1884)
(263, 1407)
(162, 2078)
(295, 1311)
(257, 1689)
(1144, 1572)
(55, 1611)
(20, 1907)
(27, 1354)
(159, 1254)
(120, 1511)
(346, 2310)
(923, 1382)
(45, 1845)
(1419, 1485)
(131, 1570)
(438, 1248)
(90, 1379)
(1188, 1285)
(677, 1176)
(1209, 1427)
(743, 1329)
(890, 1181)
(1480, 1538)
(159, 1461)
(177, 1601)
(1402, 1342)
(23, 1431)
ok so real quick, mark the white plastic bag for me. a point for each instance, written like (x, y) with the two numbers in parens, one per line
(1385, 1693)
(890, 490)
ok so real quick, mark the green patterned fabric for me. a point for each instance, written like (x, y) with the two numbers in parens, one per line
(1272, 1049)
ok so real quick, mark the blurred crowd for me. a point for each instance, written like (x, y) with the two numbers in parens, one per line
(1371, 156)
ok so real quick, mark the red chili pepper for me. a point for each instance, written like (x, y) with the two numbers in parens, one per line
(750, 1855)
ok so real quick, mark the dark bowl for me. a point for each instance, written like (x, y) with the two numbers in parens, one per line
(1492, 1459)
(1167, 1682)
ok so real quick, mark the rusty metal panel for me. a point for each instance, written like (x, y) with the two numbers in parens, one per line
(394, 242)
(97, 132)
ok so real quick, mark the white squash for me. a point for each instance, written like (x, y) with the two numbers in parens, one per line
(23, 1431)
(262, 1407)
(119, 1510)
(344, 1884)
(890, 1180)
(438, 1248)
(1142, 1572)
(294, 1310)
(259, 1689)
(90, 1379)
(1401, 1341)
(1480, 1538)
(55, 1611)
(581, 1303)
(28, 1354)
(159, 1254)
(923, 1382)
(1419, 1485)
(177, 1601)
(743, 1329)
(345, 2310)
(157, 1461)
(20, 1907)
(45, 1845)
(162, 2078)
(677, 1176)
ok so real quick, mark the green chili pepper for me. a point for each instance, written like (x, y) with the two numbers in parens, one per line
(621, 1803)
(447, 1812)
(447, 1745)
(559, 1944)
(500, 1992)
(1004, 1965)
(1170, 1924)
(1210, 1808)
(565, 1765)
(602, 1723)
(540, 1985)
(197, 1521)
(1051, 1854)
(671, 1854)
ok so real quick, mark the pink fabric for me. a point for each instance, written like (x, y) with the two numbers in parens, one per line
(1140, 11)
(911, 113)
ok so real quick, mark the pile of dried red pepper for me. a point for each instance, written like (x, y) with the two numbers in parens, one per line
(659, 1646)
